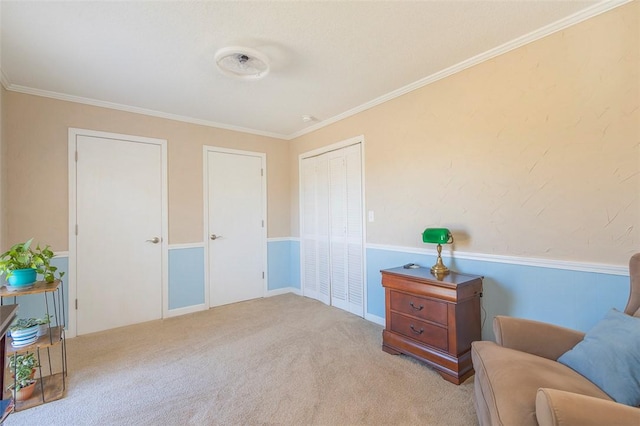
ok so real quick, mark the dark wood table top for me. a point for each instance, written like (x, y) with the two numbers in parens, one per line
(7, 315)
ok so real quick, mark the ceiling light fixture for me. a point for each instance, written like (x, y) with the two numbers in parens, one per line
(242, 62)
(308, 118)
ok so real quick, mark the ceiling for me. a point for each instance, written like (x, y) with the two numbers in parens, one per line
(329, 59)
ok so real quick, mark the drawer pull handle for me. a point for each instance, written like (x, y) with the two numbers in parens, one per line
(419, 308)
(416, 331)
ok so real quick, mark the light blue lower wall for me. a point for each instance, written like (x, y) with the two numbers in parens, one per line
(283, 264)
(186, 277)
(186, 272)
(186, 284)
(571, 299)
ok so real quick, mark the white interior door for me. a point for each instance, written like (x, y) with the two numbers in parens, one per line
(236, 226)
(118, 246)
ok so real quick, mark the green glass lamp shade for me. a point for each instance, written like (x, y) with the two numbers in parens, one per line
(436, 236)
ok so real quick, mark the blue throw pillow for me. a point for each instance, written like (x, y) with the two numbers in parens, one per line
(609, 356)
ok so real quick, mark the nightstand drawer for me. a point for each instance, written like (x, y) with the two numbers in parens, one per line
(420, 330)
(419, 307)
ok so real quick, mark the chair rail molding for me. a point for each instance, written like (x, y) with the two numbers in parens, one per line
(598, 268)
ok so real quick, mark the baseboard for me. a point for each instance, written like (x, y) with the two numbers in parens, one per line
(375, 319)
(285, 290)
(186, 310)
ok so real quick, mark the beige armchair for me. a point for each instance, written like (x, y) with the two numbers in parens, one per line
(519, 382)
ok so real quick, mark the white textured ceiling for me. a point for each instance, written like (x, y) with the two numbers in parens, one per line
(327, 58)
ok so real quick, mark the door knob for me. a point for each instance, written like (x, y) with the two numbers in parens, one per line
(215, 237)
(154, 240)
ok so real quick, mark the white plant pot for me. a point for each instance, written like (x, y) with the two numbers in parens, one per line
(24, 333)
(43, 329)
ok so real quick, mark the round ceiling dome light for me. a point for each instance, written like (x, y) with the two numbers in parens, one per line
(242, 62)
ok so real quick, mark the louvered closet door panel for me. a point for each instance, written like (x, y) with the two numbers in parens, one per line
(309, 273)
(338, 229)
(322, 223)
(308, 237)
(355, 254)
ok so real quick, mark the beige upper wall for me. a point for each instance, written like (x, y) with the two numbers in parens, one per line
(36, 139)
(533, 153)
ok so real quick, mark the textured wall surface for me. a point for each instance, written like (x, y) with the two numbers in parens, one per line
(533, 153)
(36, 138)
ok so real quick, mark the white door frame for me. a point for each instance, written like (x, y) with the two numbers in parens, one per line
(319, 151)
(205, 197)
(73, 289)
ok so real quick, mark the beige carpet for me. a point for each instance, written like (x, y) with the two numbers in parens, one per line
(281, 360)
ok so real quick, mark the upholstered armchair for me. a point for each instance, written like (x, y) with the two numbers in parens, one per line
(519, 380)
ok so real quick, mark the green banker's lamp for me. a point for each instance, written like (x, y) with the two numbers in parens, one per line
(438, 236)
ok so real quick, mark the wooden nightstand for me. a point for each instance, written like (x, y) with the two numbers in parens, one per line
(433, 320)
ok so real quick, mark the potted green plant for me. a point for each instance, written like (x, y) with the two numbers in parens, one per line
(23, 369)
(24, 323)
(24, 331)
(21, 264)
(27, 362)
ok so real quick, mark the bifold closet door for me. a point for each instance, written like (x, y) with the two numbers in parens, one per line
(331, 228)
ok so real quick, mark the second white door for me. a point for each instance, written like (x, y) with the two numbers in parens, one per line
(236, 225)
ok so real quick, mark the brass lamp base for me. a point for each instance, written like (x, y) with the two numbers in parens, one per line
(439, 269)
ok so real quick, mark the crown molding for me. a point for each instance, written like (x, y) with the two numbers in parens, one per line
(597, 9)
(135, 110)
(590, 12)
